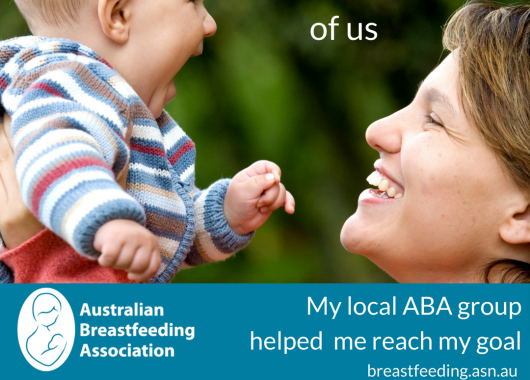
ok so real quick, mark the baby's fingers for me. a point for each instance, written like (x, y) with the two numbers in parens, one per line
(278, 202)
(109, 255)
(140, 262)
(264, 167)
(255, 186)
(125, 258)
(156, 261)
(153, 262)
(269, 196)
(289, 203)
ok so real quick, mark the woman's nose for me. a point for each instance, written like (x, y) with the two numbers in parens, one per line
(385, 135)
(210, 26)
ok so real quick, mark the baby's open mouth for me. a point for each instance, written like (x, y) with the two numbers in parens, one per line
(386, 187)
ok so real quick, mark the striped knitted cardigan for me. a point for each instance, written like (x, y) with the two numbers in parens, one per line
(71, 112)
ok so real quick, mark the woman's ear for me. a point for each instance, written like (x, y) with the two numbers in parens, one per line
(115, 18)
(516, 229)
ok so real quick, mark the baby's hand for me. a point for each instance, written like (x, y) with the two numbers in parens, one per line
(253, 195)
(128, 246)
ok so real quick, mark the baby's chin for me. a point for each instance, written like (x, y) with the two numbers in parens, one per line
(171, 92)
(160, 100)
(199, 50)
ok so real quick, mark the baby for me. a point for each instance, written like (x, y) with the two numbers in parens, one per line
(93, 80)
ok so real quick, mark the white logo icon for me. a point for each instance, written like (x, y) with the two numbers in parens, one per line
(46, 329)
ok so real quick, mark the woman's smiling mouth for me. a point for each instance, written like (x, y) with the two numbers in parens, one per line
(388, 188)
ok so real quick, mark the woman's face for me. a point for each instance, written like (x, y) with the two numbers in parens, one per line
(455, 195)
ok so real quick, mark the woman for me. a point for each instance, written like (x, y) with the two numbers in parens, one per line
(456, 162)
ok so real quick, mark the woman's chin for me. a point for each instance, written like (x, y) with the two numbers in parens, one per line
(355, 236)
(370, 227)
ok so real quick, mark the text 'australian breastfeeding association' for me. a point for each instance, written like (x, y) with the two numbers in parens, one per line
(132, 331)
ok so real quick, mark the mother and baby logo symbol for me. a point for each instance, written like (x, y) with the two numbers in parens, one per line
(46, 329)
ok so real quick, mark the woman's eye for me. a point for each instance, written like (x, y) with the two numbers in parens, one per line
(431, 119)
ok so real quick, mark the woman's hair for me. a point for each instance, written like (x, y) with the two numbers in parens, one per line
(492, 46)
(510, 271)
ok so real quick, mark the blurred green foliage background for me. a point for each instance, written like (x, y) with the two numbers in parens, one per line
(264, 89)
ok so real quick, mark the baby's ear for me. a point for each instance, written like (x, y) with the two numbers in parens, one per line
(115, 17)
(516, 228)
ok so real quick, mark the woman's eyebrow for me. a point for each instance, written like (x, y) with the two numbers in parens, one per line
(433, 95)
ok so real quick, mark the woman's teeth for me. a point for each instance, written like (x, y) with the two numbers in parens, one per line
(374, 179)
(377, 179)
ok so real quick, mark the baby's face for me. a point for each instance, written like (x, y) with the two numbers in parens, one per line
(168, 33)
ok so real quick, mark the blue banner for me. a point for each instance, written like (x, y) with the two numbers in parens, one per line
(265, 331)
